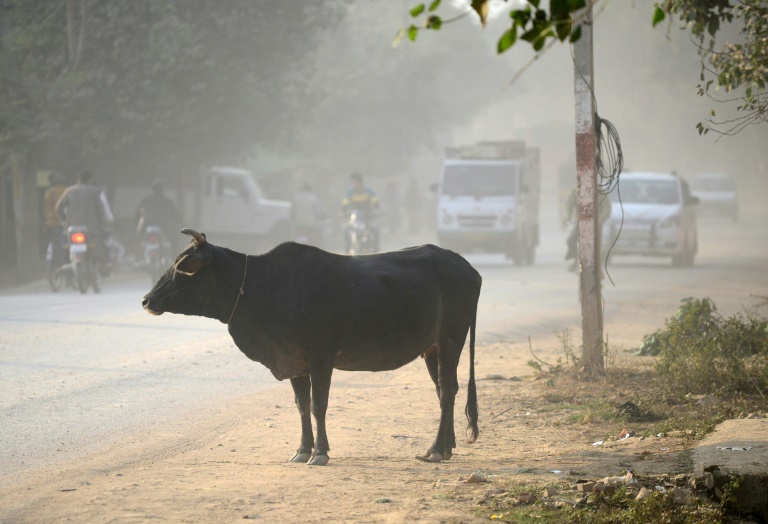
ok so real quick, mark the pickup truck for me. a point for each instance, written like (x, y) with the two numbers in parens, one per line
(234, 212)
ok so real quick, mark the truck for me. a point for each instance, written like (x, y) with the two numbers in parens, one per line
(232, 209)
(488, 199)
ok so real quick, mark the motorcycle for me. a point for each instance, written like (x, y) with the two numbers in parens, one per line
(82, 259)
(156, 251)
(361, 236)
(58, 272)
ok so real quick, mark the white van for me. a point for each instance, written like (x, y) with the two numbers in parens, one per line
(489, 198)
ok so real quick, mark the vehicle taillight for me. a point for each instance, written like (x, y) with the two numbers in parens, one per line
(77, 238)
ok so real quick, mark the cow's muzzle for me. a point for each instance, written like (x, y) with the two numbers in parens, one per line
(146, 306)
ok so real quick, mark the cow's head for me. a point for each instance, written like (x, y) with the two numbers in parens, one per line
(189, 285)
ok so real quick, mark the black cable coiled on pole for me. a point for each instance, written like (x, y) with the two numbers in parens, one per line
(609, 163)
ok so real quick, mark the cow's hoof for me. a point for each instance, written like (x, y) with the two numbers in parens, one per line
(432, 457)
(447, 455)
(318, 460)
(301, 456)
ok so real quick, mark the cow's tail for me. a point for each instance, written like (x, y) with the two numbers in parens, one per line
(471, 409)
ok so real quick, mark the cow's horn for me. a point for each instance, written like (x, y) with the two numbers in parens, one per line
(198, 238)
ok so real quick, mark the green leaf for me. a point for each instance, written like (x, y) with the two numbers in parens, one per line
(713, 26)
(576, 34)
(416, 11)
(538, 34)
(507, 40)
(538, 44)
(434, 22)
(560, 8)
(712, 112)
(658, 16)
(521, 16)
(563, 28)
(412, 32)
(434, 5)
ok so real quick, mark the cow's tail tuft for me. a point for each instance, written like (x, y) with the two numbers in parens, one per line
(471, 409)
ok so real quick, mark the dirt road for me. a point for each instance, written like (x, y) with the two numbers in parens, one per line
(224, 457)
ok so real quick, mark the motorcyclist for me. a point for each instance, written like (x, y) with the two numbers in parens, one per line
(571, 215)
(52, 222)
(159, 210)
(85, 204)
(360, 198)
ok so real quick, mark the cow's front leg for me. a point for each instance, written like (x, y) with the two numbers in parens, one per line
(321, 385)
(301, 389)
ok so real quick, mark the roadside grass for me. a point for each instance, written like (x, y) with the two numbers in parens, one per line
(530, 504)
(686, 378)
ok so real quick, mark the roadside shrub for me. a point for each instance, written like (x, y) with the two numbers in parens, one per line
(693, 317)
(702, 353)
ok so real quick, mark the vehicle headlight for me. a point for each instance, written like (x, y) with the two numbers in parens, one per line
(672, 221)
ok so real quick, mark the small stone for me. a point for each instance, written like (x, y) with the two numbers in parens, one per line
(550, 492)
(606, 489)
(526, 498)
(709, 480)
(585, 487)
(643, 493)
(680, 495)
(476, 478)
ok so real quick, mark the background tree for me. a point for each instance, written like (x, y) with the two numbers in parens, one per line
(740, 61)
(144, 88)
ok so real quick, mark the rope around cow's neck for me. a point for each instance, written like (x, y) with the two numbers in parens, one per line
(242, 291)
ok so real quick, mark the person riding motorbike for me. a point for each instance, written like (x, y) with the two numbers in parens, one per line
(159, 210)
(571, 215)
(53, 227)
(362, 199)
(85, 204)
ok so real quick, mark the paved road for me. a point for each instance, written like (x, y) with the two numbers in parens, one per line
(79, 372)
(82, 373)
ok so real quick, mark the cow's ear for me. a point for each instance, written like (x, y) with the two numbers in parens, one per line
(192, 262)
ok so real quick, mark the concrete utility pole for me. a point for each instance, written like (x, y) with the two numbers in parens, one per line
(589, 246)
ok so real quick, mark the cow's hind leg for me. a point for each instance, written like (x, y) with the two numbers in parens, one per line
(301, 388)
(321, 385)
(442, 370)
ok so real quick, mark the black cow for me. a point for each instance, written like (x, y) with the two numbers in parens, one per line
(302, 312)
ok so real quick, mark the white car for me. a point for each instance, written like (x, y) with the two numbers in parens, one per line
(653, 214)
(717, 192)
